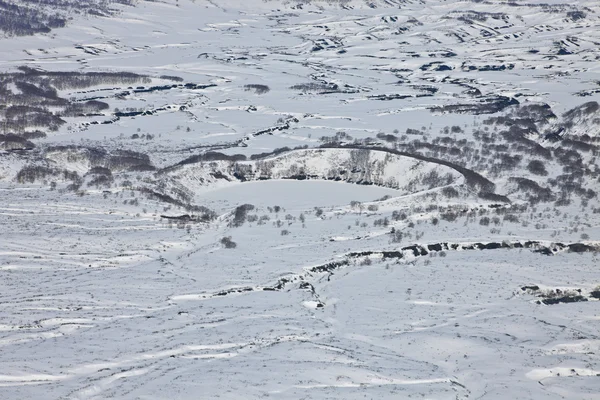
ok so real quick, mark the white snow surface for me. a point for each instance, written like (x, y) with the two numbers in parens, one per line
(101, 297)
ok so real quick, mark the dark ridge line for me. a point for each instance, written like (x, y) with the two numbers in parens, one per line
(558, 296)
(118, 115)
(472, 178)
(414, 250)
(198, 158)
(269, 131)
(127, 92)
(206, 215)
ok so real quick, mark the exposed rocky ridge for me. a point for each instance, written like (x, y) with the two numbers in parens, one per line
(408, 253)
(353, 165)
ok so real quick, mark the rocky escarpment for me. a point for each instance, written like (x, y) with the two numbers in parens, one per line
(302, 281)
(359, 166)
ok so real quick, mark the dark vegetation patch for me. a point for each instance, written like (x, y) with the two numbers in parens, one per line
(33, 173)
(388, 97)
(217, 156)
(339, 137)
(227, 243)
(201, 213)
(505, 144)
(558, 296)
(258, 89)
(489, 196)
(30, 103)
(116, 160)
(487, 67)
(100, 176)
(580, 145)
(161, 88)
(28, 17)
(537, 167)
(435, 66)
(31, 135)
(471, 16)
(240, 214)
(387, 137)
(518, 140)
(13, 142)
(282, 125)
(525, 116)
(276, 152)
(316, 87)
(576, 15)
(171, 78)
(577, 114)
(485, 105)
(569, 298)
(536, 193)
(187, 218)
(472, 178)
(211, 156)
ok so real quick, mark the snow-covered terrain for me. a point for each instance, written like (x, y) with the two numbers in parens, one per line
(347, 199)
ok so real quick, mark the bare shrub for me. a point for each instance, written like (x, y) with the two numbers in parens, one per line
(562, 202)
(396, 236)
(366, 261)
(356, 204)
(537, 167)
(211, 156)
(34, 135)
(449, 216)
(14, 142)
(258, 89)
(399, 216)
(239, 215)
(387, 137)
(228, 243)
(381, 222)
(315, 87)
(30, 174)
(450, 192)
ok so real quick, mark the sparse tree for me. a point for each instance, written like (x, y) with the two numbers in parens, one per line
(537, 167)
(228, 243)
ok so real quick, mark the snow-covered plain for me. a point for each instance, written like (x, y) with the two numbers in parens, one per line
(378, 266)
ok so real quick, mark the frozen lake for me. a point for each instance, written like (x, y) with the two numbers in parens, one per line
(292, 194)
